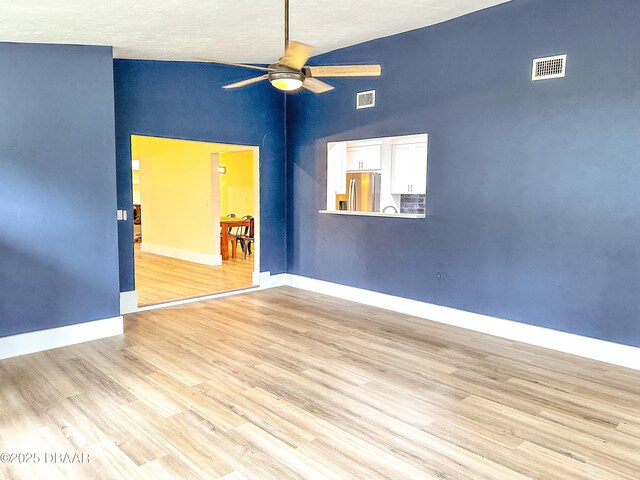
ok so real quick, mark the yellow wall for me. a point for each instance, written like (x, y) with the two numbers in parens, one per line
(179, 210)
(237, 186)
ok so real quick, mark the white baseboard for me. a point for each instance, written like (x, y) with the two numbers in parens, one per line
(587, 347)
(266, 280)
(128, 302)
(212, 260)
(32, 342)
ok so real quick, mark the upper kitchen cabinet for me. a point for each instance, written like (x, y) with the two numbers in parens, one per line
(409, 167)
(364, 157)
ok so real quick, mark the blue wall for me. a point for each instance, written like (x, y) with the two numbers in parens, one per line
(186, 101)
(58, 250)
(533, 204)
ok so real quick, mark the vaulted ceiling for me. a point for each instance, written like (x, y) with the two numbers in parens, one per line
(238, 30)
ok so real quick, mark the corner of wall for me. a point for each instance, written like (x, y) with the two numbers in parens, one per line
(287, 176)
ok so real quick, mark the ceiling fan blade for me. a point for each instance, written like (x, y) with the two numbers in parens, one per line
(296, 55)
(316, 86)
(248, 81)
(233, 64)
(345, 71)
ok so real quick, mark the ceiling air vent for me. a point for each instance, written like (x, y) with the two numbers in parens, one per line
(366, 99)
(549, 67)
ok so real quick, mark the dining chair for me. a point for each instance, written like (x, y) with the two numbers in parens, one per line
(243, 234)
(234, 233)
(229, 215)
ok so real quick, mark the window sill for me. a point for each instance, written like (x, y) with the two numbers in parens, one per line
(373, 214)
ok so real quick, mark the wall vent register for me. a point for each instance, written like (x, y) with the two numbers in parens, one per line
(549, 67)
(366, 99)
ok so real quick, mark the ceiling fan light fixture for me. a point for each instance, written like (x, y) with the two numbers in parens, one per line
(286, 81)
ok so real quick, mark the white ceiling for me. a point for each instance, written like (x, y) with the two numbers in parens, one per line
(236, 30)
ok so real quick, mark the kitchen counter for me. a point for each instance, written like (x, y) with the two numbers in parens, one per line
(373, 214)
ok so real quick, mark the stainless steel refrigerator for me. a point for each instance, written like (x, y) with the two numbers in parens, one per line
(363, 193)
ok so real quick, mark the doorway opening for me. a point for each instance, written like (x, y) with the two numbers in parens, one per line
(196, 218)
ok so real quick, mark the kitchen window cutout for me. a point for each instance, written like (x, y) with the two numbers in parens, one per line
(378, 177)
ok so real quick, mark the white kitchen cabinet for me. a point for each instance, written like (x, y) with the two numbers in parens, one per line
(419, 181)
(409, 168)
(363, 157)
(337, 168)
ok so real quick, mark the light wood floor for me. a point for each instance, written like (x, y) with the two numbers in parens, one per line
(161, 279)
(285, 384)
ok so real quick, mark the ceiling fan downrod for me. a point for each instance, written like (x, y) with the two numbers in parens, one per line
(286, 23)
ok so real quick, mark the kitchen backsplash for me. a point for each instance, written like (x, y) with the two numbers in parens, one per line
(413, 204)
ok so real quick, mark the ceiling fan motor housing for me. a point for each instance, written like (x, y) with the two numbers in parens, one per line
(285, 78)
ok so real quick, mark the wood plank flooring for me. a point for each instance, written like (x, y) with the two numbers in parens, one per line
(286, 384)
(162, 279)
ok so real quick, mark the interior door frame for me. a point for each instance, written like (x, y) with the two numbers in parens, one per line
(255, 280)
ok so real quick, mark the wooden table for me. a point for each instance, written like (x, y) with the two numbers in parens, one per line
(227, 223)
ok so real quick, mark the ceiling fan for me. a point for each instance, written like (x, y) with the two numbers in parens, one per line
(290, 73)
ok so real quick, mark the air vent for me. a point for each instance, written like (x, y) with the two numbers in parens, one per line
(549, 67)
(366, 99)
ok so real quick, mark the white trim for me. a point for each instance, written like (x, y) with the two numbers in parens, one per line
(536, 61)
(181, 254)
(359, 95)
(373, 214)
(128, 302)
(32, 342)
(266, 280)
(601, 350)
(257, 222)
